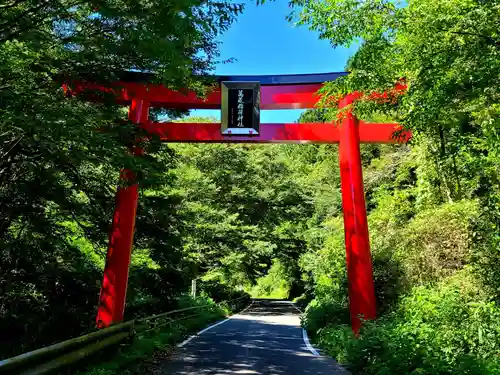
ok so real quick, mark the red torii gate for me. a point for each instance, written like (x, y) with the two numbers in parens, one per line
(277, 92)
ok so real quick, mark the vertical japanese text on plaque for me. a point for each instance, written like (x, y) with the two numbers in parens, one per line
(240, 106)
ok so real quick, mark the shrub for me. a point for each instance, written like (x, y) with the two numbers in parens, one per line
(323, 313)
(220, 292)
(449, 329)
(326, 266)
(437, 242)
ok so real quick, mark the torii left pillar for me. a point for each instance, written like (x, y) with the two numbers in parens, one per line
(114, 284)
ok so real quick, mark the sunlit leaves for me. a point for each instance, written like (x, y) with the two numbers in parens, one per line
(343, 22)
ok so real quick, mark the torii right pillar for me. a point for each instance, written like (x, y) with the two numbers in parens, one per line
(362, 303)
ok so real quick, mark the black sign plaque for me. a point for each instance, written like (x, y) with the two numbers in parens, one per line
(240, 107)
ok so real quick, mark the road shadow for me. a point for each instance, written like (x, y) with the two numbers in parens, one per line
(265, 339)
(271, 307)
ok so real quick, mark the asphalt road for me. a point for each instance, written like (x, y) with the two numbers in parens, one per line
(263, 340)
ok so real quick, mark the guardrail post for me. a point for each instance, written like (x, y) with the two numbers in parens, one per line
(357, 242)
(193, 288)
(115, 279)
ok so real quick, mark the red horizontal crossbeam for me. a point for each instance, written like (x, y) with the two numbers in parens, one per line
(275, 133)
(299, 96)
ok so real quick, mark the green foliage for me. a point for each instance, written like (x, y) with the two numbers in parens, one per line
(233, 198)
(237, 217)
(432, 244)
(433, 206)
(326, 266)
(447, 52)
(367, 20)
(437, 242)
(61, 155)
(219, 292)
(442, 330)
(274, 284)
(324, 312)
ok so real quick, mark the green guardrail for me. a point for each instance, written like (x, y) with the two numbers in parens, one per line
(61, 355)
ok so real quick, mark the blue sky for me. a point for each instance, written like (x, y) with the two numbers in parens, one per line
(264, 42)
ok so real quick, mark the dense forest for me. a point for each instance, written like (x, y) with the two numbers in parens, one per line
(263, 219)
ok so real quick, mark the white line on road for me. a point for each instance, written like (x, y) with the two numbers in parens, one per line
(299, 310)
(305, 337)
(308, 344)
(242, 311)
(199, 333)
(210, 327)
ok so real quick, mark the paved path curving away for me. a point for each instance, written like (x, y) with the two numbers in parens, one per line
(265, 339)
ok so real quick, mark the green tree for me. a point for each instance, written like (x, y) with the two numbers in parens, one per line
(448, 53)
(433, 205)
(61, 156)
